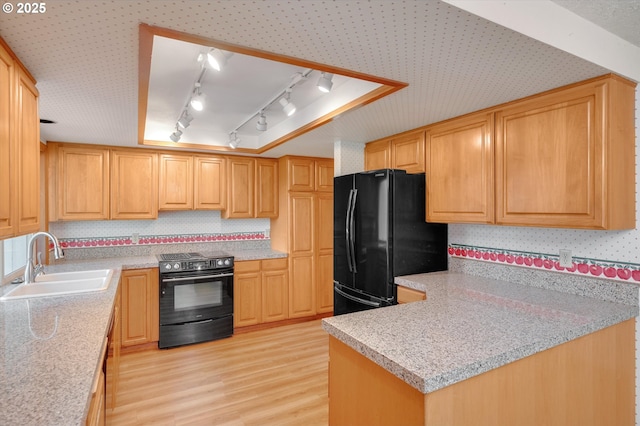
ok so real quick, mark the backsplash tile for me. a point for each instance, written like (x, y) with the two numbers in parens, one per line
(596, 268)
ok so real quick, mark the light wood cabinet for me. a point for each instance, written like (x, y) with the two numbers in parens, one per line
(241, 188)
(305, 174)
(96, 415)
(210, 183)
(140, 306)
(459, 158)
(134, 184)
(275, 290)
(112, 375)
(79, 182)
(566, 159)
(377, 155)
(8, 188)
(28, 150)
(324, 252)
(586, 381)
(176, 182)
(304, 230)
(260, 292)
(405, 152)
(266, 189)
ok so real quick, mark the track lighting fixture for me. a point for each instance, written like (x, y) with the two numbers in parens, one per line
(216, 59)
(175, 136)
(288, 107)
(234, 141)
(261, 125)
(185, 119)
(197, 100)
(325, 83)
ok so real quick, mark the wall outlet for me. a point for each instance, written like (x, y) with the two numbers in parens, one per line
(566, 260)
(135, 238)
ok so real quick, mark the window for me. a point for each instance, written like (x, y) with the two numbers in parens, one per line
(13, 257)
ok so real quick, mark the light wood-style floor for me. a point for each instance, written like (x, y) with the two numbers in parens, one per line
(276, 376)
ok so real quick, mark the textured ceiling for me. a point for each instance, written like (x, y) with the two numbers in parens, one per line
(84, 55)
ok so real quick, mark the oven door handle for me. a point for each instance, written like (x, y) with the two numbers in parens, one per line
(195, 278)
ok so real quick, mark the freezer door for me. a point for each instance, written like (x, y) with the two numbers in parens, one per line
(342, 200)
(346, 300)
(372, 233)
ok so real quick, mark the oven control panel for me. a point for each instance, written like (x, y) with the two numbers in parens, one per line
(194, 264)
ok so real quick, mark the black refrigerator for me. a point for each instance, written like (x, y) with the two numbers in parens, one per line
(380, 233)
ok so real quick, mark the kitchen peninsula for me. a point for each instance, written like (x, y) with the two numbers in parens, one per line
(484, 352)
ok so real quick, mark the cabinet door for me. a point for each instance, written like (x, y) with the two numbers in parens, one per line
(28, 154)
(83, 183)
(275, 294)
(324, 175)
(459, 162)
(247, 293)
(302, 174)
(302, 298)
(210, 183)
(112, 377)
(176, 182)
(407, 153)
(7, 147)
(377, 155)
(266, 187)
(140, 306)
(241, 188)
(324, 252)
(134, 185)
(556, 163)
(302, 217)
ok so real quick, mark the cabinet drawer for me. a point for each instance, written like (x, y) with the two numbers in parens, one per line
(247, 266)
(274, 264)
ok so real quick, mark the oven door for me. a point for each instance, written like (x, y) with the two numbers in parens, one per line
(195, 296)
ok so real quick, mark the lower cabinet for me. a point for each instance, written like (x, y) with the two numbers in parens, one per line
(97, 413)
(140, 306)
(260, 291)
(408, 295)
(113, 353)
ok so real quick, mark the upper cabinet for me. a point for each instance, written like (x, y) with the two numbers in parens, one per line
(210, 183)
(405, 152)
(309, 174)
(176, 182)
(459, 159)
(241, 188)
(192, 182)
(19, 148)
(134, 184)
(80, 179)
(564, 158)
(266, 196)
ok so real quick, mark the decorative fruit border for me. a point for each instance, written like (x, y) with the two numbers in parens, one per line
(620, 271)
(70, 243)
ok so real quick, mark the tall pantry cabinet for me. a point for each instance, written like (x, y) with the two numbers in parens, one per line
(304, 229)
(19, 148)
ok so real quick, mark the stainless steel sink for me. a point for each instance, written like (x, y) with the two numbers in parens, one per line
(63, 283)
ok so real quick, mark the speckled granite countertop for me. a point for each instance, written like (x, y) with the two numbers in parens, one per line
(469, 325)
(50, 346)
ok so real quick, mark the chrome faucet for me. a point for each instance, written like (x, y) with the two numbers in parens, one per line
(31, 270)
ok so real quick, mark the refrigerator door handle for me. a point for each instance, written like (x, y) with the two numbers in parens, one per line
(356, 299)
(352, 232)
(348, 230)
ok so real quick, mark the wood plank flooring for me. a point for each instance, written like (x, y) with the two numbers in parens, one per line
(276, 376)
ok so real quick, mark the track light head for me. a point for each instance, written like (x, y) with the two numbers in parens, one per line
(175, 136)
(325, 83)
(185, 119)
(216, 59)
(288, 107)
(197, 102)
(234, 141)
(261, 125)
